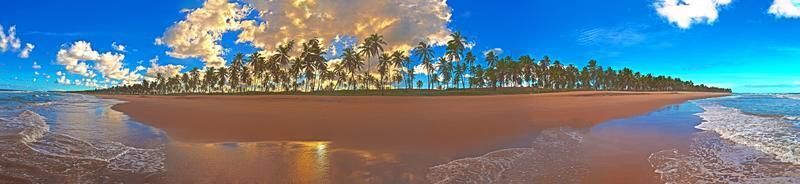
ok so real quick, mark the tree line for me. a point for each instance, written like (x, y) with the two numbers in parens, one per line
(307, 70)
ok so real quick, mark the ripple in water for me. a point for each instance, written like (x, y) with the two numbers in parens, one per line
(554, 156)
(735, 147)
(31, 152)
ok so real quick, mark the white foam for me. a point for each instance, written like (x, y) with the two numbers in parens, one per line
(772, 135)
(553, 156)
(34, 133)
(788, 96)
(712, 159)
(31, 126)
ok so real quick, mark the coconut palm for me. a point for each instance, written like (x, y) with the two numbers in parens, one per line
(372, 47)
(353, 63)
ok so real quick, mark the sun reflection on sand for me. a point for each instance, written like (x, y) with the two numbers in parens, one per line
(286, 162)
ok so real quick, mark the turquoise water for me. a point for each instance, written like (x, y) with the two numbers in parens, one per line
(744, 138)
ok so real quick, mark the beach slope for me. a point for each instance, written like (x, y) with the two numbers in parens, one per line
(424, 123)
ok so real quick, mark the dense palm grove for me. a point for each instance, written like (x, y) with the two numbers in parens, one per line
(307, 70)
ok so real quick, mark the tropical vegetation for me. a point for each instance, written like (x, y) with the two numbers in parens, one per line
(304, 69)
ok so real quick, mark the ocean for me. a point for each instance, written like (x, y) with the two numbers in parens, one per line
(744, 138)
(70, 138)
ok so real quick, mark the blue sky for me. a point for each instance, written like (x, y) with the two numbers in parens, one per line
(738, 44)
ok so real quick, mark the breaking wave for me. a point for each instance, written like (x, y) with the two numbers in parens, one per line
(771, 135)
(788, 96)
(31, 152)
(735, 147)
(554, 156)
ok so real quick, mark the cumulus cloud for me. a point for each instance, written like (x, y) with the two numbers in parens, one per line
(403, 23)
(684, 13)
(108, 64)
(199, 34)
(165, 70)
(25, 53)
(785, 8)
(10, 41)
(118, 47)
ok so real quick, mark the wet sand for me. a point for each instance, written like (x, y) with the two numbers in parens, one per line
(412, 133)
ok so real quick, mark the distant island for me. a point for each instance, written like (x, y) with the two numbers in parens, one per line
(307, 72)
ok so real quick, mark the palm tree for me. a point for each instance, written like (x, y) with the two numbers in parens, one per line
(352, 62)
(384, 62)
(222, 76)
(425, 53)
(372, 47)
(446, 70)
(470, 59)
(236, 71)
(210, 79)
(455, 48)
(194, 82)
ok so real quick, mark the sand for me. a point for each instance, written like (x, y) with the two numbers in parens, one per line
(450, 126)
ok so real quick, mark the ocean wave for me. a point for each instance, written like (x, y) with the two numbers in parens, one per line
(712, 159)
(772, 135)
(42, 156)
(554, 156)
(788, 96)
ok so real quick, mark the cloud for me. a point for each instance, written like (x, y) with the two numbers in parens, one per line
(497, 51)
(25, 53)
(199, 34)
(403, 23)
(684, 13)
(165, 70)
(118, 47)
(108, 64)
(10, 41)
(36, 66)
(785, 8)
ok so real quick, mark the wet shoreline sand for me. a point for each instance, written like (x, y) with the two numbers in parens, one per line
(444, 128)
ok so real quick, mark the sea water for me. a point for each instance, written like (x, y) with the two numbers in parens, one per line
(746, 138)
(71, 138)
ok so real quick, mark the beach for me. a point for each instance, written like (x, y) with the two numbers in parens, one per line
(408, 134)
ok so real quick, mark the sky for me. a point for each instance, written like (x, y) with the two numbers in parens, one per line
(749, 46)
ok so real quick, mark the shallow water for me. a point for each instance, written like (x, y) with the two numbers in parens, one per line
(64, 138)
(744, 139)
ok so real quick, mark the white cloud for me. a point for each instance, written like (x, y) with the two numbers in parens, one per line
(785, 8)
(497, 51)
(165, 70)
(10, 41)
(36, 66)
(25, 53)
(618, 36)
(199, 34)
(118, 47)
(63, 80)
(108, 64)
(684, 13)
(403, 23)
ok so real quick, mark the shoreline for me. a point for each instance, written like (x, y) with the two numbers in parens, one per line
(422, 132)
(326, 118)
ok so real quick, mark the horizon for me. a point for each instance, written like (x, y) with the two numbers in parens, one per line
(729, 44)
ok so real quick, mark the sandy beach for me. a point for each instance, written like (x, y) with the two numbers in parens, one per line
(444, 128)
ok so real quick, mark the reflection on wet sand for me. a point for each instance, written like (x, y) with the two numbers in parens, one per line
(283, 162)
